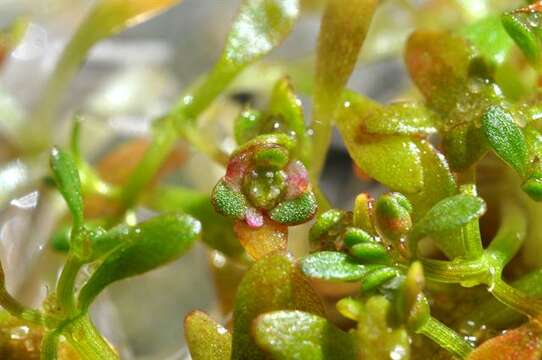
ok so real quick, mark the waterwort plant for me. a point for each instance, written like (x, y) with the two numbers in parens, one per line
(433, 265)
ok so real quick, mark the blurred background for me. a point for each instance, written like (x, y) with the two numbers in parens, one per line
(130, 79)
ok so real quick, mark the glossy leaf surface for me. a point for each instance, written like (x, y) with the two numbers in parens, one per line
(523, 25)
(331, 265)
(143, 248)
(273, 283)
(288, 335)
(450, 214)
(506, 138)
(68, 182)
(207, 340)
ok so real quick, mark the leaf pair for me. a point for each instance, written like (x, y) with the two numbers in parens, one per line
(128, 250)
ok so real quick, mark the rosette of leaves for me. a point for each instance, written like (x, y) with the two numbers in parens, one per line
(265, 190)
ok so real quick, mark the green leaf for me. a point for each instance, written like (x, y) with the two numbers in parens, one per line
(524, 28)
(449, 214)
(295, 211)
(401, 118)
(217, 230)
(144, 247)
(393, 160)
(342, 32)
(229, 202)
(206, 339)
(68, 183)
(289, 335)
(464, 145)
(438, 63)
(332, 265)
(247, 125)
(273, 283)
(506, 138)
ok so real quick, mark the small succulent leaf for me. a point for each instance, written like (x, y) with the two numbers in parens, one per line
(370, 253)
(342, 32)
(145, 247)
(299, 335)
(355, 236)
(363, 213)
(206, 339)
(377, 338)
(392, 215)
(229, 202)
(259, 27)
(506, 138)
(449, 214)
(378, 277)
(295, 211)
(523, 27)
(393, 160)
(521, 343)
(490, 39)
(67, 179)
(401, 118)
(217, 230)
(333, 266)
(326, 222)
(438, 62)
(272, 283)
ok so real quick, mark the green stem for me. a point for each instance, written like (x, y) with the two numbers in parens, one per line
(86, 340)
(15, 308)
(445, 338)
(49, 346)
(472, 241)
(516, 299)
(66, 284)
(455, 271)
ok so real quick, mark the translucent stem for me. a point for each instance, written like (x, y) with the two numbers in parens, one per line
(49, 346)
(66, 284)
(86, 340)
(516, 299)
(445, 338)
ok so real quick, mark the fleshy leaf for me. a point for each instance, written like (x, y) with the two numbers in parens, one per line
(144, 247)
(342, 32)
(506, 138)
(298, 335)
(68, 182)
(523, 26)
(401, 118)
(449, 214)
(393, 160)
(273, 283)
(331, 265)
(522, 343)
(438, 63)
(229, 202)
(206, 339)
(295, 211)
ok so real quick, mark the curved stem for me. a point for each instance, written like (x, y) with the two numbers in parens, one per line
(455, 271)
(445, 338)
(49, 346)
(86, 340)
(66, 284)
(516, 299)
(15, 308)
